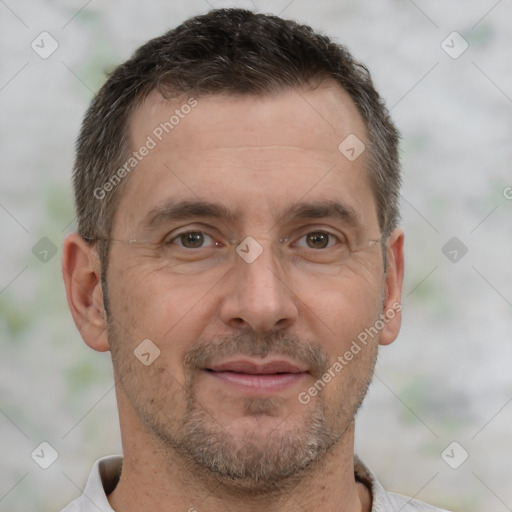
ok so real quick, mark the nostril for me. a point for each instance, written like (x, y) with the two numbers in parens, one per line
(238, 322)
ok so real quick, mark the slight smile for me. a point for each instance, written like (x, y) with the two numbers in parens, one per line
(273, 376)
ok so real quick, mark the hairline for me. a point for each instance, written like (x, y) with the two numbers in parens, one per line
(169, 94)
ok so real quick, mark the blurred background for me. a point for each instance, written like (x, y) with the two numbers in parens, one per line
(436, 424)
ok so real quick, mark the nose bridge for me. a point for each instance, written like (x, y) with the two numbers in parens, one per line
(258, 295)
(263, 269)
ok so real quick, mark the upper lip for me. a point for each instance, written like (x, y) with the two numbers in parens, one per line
(251, 367)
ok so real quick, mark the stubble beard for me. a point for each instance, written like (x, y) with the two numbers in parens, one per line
(246, 463)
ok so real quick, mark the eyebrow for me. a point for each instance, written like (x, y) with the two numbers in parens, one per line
(323, 209)
(186, 209)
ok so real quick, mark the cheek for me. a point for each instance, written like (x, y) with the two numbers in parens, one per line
(168, 310)
(346, 304)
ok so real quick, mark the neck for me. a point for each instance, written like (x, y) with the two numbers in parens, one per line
(155, 477)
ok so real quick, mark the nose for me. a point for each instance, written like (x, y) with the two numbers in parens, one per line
(258, 296)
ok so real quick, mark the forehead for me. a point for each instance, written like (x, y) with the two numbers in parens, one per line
(309, 118)
(255, 154)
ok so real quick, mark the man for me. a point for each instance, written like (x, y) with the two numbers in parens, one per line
(237, 185)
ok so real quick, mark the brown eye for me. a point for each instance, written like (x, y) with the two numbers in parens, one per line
(192, 240)
(317, 240)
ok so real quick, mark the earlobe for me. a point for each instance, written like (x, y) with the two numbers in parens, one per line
(81, 271)
(392, 307)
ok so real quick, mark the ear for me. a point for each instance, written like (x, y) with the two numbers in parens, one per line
(392, 306)
(81, 271)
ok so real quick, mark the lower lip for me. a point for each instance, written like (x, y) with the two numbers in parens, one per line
(247, 381)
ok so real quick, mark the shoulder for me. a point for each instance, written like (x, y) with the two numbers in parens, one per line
(384, 501)
(405, 504)
(73, 507)
(102, 480)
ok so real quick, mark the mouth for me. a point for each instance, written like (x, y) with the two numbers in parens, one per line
(250, 376)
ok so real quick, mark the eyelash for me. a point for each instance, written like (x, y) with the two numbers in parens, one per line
(177, 237)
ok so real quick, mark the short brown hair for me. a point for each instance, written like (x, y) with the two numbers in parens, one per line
(233, 51)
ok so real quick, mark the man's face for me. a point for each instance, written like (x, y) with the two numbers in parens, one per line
(241, 333)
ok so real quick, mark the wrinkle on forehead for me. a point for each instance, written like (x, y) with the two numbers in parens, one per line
(251, 150)
(327, 111)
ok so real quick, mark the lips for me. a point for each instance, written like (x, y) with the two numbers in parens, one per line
(250, 376)
(252, 368)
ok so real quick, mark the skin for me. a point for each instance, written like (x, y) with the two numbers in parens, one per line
(257, 155)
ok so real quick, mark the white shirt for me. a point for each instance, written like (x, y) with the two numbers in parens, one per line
(106, 471)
